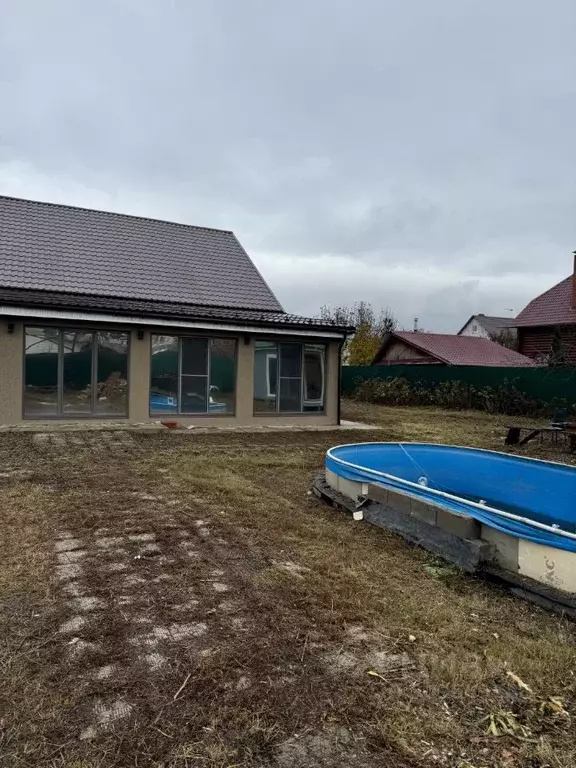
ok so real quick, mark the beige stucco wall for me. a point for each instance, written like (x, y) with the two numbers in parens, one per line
(11, 367)
(11, 383)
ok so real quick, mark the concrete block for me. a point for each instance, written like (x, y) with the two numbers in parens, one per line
(332, 479)
(553, 567)
(377, 493)
(399, 501)
(349, 488)
(458, 525)
(466, 553)
(423, 511)
(504, 547)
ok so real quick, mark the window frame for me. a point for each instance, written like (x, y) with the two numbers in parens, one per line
(313, 403)
(321, 401)
(60, 414)
(271, 356)
(156, 413)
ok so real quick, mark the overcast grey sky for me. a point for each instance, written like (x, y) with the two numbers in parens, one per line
(417, 154)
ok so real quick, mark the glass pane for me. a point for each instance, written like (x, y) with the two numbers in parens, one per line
(290, 360)
(314, 356)
(291, 395)
(222, 376)
(164, 375)
(77, 372)
(265, 376)
(194, 357)
(194, 394)
(41, 372)
(272, 374)
(112, 373)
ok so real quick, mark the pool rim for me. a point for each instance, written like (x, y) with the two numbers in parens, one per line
(444, 494)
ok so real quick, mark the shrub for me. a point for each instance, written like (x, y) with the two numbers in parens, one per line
(455, 395)
(506, 398)
(452, 395)
(394, 391)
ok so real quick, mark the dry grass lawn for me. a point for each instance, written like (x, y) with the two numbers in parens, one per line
(176, 601)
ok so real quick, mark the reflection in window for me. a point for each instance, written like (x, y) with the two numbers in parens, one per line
(112, 369)
(222, 390)
(314, 367)
(290, 399)
(78, 352)
(164, 376)
(289, 377)
(271, 374)
(265, 376)
(75, 372)
(192, 375)
(41, 372)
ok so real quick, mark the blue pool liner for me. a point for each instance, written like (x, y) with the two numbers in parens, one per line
(526, 498)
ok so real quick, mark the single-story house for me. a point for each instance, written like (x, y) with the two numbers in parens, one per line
(547, 326)
(419, 348)
(108, 316)
(486, 327)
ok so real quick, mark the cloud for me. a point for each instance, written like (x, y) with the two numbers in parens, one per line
(418, 155)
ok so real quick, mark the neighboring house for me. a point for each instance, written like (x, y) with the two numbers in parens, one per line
(486, 327)
(105, 316)
(416, 348)
(547, 326)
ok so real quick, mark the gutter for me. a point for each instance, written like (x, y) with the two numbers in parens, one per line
(339, 411)
(97, 317)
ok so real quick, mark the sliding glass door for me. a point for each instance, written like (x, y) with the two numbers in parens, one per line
(289, 377)
(192, 375)
(75, 373)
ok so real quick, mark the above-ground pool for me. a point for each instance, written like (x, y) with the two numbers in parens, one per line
(525, 509)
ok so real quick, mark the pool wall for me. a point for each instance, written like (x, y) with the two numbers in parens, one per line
(430, 518)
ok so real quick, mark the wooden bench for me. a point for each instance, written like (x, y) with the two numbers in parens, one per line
(514, 436)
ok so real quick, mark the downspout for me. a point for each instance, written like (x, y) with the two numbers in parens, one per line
(340, 345)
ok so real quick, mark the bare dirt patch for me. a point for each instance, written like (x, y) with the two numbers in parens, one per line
(331, 644)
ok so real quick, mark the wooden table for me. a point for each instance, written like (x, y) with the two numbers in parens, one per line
(514, 436)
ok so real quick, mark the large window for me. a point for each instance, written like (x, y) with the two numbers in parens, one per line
(75, 373)
(289, 377)
(192, 375)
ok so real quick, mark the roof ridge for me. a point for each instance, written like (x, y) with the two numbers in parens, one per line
(113, 213)
(465, 339)
(435, 333)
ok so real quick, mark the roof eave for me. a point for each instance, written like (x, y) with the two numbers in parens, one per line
(199, 323)
(391, 335)
(465, 324)
(423, 349)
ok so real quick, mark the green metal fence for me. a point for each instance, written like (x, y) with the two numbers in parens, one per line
(548, 385)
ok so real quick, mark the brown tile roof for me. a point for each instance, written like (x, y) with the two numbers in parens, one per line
(75, 250)
(162, 310)
(461, 350)
(553, 307)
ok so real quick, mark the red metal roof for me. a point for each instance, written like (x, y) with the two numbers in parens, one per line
(553, 307)
(462, 350)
